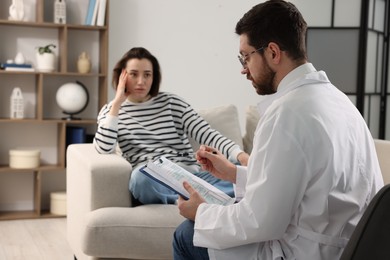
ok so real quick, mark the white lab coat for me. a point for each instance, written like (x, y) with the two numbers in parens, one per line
(312, 172)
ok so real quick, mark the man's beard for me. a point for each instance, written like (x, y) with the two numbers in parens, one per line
(266, 87)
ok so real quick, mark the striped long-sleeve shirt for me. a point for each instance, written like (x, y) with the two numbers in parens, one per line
(159, 126)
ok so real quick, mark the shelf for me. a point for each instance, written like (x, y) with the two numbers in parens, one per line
(18, 72)
(85, 27)
(47, 214)
(6, 168)
(72, 74)
(12, 215)
(25, 120)
(43, 126)
(64, 74)
(51, 25)
(72, 122)
(48, 121)
(30, 24)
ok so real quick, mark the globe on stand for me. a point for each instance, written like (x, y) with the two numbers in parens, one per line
(72, 98)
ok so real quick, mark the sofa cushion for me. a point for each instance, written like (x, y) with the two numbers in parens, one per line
(143, 232)
(225, 120)
(252, 118)
(383, 151)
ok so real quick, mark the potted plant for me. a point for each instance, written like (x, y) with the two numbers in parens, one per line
(46, 58)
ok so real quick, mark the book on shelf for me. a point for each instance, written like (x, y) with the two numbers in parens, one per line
(90, 10)
(95, 12)
(75, 135)
(14, 65)
(172, 176)
(101, 15)
(18, 69)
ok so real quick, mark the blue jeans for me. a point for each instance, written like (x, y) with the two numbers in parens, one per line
(148, 191)
(183, 245)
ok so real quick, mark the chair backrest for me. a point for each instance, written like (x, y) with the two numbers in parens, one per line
(371, 237)
(382, 148)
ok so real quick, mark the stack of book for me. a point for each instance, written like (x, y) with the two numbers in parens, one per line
(16, 67)
(96, 12)
(75, 135)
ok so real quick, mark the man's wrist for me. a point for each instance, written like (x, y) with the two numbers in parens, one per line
(233, 173)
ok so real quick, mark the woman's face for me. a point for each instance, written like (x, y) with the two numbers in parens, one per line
(139, 79)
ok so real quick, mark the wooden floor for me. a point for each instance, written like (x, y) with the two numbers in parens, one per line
(35, 239)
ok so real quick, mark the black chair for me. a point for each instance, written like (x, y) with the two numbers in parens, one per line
(371, 238)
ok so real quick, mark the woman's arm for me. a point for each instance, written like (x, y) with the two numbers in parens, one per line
(107, 132)
(200, 130)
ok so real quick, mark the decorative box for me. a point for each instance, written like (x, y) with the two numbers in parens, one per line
(24, 159)
(58, 203)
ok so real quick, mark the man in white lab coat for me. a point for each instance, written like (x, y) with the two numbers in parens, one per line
(313, 169)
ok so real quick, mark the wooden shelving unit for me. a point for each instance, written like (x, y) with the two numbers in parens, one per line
(43, 86)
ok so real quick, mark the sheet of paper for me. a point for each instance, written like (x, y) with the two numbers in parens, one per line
(173, 175)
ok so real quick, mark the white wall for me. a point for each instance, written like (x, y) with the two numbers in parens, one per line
(194, 42)
(196, 45)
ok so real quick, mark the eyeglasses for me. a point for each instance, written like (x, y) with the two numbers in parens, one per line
(242, 58)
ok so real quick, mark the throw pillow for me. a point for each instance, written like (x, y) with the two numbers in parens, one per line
(252, 118)
(225, 120)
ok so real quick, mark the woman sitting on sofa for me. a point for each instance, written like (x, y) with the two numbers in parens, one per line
(147, 124)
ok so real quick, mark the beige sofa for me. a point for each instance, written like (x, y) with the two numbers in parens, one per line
(101, 222)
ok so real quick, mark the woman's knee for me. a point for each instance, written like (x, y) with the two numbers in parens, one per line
(138, 181)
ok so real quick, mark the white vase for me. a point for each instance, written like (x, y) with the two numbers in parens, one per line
(19, 58)
(16, 10)
(46, 62)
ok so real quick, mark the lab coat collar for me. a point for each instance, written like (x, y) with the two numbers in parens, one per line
(300, 76)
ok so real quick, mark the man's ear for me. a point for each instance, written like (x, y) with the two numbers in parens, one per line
(274, 51)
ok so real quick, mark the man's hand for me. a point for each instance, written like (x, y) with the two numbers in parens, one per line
(189, 207)
(216, 163)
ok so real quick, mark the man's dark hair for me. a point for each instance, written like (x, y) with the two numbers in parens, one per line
(275, 21)
(138, 53)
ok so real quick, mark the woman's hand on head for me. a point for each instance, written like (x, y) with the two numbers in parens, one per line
(121, 93)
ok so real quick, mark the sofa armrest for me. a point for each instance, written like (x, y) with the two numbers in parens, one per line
(93, 181)
(97, 180)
